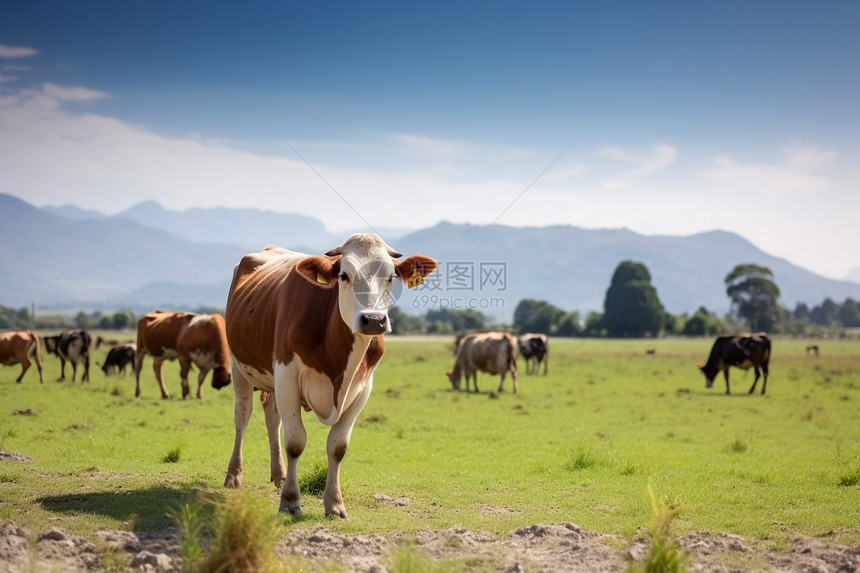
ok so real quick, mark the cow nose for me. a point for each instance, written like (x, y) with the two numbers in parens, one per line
(372, 322)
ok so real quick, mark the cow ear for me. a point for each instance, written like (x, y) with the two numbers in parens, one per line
(321, 271)
(424, 266)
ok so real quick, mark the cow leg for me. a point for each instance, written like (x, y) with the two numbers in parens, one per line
(726, 373)
(86, 377)
(184, 368)
(273, 426)
(764, 382)
(159, 375)
(336, 445)
(200, 380)
(288, 402)
(514, 376)
(138, 364)
(241, 414)
(755, 381)
(74, 364)
(62, 369)
(502, 381)
(25, 364)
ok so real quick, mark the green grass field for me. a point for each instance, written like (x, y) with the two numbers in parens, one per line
(582, 444)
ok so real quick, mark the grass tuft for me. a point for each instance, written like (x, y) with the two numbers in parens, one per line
(850, 477)
(738, 446)
(312, 482)
(664, 556)
(173, 455)
(581, 460)
(245, 533)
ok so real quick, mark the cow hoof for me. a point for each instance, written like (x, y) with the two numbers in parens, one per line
(233, 482)
(338, 513)
(294, 511)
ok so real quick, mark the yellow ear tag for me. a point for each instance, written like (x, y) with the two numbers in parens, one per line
(415, 280)
(321, 279)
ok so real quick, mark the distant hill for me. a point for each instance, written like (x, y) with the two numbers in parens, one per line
(53, 261)
(113, 262)
(572, 267)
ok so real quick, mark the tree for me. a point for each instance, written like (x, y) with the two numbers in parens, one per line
(825, 314)
(536, 316)
(632, 307)
(754, 295)
(849, 313)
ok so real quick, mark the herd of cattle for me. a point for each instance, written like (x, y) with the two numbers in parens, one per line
(307, 332)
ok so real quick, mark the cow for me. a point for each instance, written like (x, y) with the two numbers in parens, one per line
(72, 346)
(535, 349)
(741, 351)
(17, 347)
(118, 358)
(192, 338)
(309, 329)
(491, 352)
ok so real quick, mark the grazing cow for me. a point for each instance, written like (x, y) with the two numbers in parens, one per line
(309, 329)
(742, 351)
(74, 346)
(118, 358)
(100, 341)
(812, 348)
(535, 349)
(197, 338)
(491, 352)
(17, 347)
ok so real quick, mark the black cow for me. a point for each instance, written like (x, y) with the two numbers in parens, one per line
(118, 358)
(74, 346)
(741, 351)
(535, 349)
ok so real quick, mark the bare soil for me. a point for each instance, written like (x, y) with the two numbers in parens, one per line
(555, 547)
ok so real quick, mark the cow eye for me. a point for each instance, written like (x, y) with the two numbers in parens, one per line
(344, 277)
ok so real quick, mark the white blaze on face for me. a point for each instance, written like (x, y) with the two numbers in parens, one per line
(366, 278)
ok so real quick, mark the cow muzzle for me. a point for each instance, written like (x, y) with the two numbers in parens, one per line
(371, 322)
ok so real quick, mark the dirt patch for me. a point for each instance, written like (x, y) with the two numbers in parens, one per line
(556, 547)
(14, 457)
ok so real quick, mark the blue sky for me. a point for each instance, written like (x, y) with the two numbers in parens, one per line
(684, 116)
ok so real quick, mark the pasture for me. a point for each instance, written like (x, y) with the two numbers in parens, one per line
(582, 444)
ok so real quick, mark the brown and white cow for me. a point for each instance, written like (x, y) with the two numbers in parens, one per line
(309, 329)
(534, 347)
(741, 351)
(491, 352)
(190, 337)
(72, 346)
(17, 347)
(118, 357)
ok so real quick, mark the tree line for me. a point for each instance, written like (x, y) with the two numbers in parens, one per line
(632, 309)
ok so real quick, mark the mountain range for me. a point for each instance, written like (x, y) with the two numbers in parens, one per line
(148, 257)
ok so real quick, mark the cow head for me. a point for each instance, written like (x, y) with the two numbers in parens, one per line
(454, 377)
(363, 269)
(220, 377)
(50, 343)
(710, 374)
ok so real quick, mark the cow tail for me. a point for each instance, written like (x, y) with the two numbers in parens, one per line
(36, 349)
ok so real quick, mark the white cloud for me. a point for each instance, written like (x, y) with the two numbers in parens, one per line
(799, 171)
(5, 78)
(431, 147)
(660, 156)
(71, 94)
(17, 51)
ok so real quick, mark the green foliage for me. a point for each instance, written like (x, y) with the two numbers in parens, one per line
(451, 320)
(664, 555)
(11, 319)
(312, 481)
(632, 307)
(173, 455)
(754, 296)
(245, 535)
